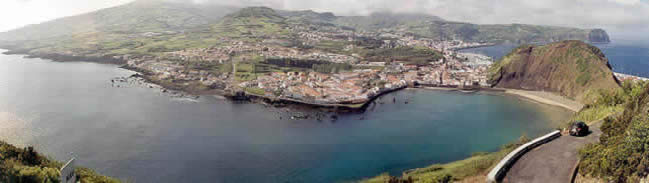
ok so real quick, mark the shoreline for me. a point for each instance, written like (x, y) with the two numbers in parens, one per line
(540, 97)
(535, 96)
(55, 57)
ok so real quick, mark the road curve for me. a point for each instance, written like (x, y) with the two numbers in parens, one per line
(551, 162)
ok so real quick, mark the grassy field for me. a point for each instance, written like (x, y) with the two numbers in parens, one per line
(255, 90)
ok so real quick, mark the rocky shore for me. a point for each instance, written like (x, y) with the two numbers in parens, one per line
(66, 58)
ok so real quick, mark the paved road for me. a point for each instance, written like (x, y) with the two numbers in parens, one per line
(551, 162)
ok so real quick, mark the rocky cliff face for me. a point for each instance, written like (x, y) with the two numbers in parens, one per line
(598, 36)
(571, 68)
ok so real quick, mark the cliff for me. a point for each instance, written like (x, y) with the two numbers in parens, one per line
(570, 68)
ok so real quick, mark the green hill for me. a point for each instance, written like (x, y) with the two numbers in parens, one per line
(571, 68)
(437, 28)
(252, 22)
(151, 27)
(308, 16)
(137, 17)
(140, 27)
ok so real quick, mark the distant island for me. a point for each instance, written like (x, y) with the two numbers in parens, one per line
(280, 56)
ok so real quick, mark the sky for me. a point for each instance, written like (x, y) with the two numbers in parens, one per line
(623, 19)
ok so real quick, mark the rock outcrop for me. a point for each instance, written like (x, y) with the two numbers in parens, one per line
(598, 36)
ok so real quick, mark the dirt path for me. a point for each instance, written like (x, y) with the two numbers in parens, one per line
(551, 162)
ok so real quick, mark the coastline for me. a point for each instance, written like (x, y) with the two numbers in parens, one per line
(65, 58)
(536, 96)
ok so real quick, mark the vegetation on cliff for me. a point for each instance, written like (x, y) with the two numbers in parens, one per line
(27, 165)
(623, 152)
(571, 68)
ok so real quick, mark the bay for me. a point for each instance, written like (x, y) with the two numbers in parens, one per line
(140, 134)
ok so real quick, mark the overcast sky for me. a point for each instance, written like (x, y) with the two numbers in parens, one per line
(625, 19)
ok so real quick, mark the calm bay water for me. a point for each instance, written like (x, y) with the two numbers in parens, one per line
(625, 57)
(136, 133)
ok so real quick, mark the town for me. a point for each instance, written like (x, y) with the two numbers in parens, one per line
(345, 77)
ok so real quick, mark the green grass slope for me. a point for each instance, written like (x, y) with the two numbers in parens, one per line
(260, 22)
(136, 17)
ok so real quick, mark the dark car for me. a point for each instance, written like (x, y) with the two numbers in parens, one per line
(579, 128)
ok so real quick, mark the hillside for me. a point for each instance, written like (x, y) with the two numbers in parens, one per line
(571, 68)
(137, 17)
(148, 25)
(437, 28)
(621, 155)
(252, 21)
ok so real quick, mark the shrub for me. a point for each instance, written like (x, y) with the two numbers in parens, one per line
(623, 152)
(27, 165)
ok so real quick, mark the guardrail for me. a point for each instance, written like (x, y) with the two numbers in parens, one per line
(67, 174)
(497, 173)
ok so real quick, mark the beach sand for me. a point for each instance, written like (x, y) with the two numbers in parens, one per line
(535, 96)
(547, 98)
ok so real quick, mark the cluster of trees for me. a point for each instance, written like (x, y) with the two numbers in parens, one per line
(623, 152)
(412, 55)
(331, 67)
(316, 65)
(27, 165)
(368, 42)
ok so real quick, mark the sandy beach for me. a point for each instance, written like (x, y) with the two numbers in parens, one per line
(547, 98)
(536, 96)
